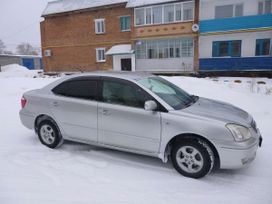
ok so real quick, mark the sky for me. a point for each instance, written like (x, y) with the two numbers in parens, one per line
(20, 22)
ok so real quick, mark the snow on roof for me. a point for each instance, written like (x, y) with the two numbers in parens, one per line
(22, 56)
(120, 50)
(138, 3)
(62, 6)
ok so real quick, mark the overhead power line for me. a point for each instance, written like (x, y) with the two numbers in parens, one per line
(20, 30)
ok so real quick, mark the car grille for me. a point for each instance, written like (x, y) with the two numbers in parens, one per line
(254, 125)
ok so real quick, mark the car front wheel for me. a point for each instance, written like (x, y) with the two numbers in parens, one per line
(192, 158)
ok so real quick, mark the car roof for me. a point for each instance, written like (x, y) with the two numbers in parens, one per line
(116, 74)
(126, 75)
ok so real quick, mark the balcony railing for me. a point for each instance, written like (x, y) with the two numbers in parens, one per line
(236, 23)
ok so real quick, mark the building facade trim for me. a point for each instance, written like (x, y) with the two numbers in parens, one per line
(237, 23)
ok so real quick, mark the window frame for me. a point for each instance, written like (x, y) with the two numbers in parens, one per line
(97, 54)
(181, 46)
(97, 27)
(148, 96)
(216, 49)
(163, 12)
(260, 49)
(78, 79)
(234, 9)
(120, 19)
(263, 7)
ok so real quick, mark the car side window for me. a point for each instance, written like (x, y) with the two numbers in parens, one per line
(82, 89)
(122, 93)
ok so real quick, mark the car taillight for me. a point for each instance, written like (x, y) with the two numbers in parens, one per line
(23, 102)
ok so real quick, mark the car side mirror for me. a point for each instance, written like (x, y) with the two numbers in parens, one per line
(150, 105)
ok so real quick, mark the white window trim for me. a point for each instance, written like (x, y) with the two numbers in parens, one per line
(97, 54)
(96, 21)
(162, 23)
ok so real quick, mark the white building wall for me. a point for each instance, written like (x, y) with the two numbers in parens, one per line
(185, 64)
(207, 7)
(248, 42)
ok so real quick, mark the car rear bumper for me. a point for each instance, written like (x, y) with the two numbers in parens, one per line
(27, 120)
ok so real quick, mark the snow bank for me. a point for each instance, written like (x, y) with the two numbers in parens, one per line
(15, 70)
(245, 84)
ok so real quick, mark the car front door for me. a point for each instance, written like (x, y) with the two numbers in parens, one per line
(122, 120)
(74, 105)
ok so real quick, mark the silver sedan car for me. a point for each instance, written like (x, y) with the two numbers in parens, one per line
(144, 114)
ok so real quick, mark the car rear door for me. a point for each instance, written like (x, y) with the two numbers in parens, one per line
(74, 106)
(122, 120)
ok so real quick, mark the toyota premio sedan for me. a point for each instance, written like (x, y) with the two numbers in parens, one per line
(144, 114)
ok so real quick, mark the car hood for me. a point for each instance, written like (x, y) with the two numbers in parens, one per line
(219, 111)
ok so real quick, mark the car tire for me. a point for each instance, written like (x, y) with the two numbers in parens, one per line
(49, 134)
(192, 158)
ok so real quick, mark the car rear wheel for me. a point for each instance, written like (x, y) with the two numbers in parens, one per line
(49, 134)
(192, 158)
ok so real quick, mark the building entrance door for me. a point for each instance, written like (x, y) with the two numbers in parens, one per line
(126, 64)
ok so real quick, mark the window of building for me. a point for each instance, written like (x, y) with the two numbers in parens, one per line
(164, 48)
(263, 47)
(140, 16)
(178, 12)
(188, 9)
(125, 23)
(265, 7)
(82, 89)
(238, 10)
(187, 48)
(157, 14)
(229, 11)
(100, 55)
(148, 16)
(99, 26)
(227, 48)
(167, 13)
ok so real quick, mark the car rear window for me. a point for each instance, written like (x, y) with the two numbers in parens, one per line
(83, 89)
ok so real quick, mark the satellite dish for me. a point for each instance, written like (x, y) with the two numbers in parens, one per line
(195, 27)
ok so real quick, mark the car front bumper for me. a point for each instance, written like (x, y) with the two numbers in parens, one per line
(234, 158)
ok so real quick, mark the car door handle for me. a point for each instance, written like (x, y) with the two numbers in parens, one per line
(55, 104)
(105, 112)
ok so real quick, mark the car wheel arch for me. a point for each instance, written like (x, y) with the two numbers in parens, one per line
(44, 117)
(191, 136)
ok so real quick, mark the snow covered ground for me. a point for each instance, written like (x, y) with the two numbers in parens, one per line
(33, 174)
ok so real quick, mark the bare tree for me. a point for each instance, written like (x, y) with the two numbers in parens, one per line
(7, 52)
(26, 49)
(2, 47)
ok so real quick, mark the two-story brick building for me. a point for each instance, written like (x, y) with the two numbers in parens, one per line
(157, 36)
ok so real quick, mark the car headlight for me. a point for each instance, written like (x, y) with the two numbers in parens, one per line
(240, 133)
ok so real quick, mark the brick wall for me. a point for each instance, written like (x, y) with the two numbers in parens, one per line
(72, 40)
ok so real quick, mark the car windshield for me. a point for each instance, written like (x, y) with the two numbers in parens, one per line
(171, 94)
